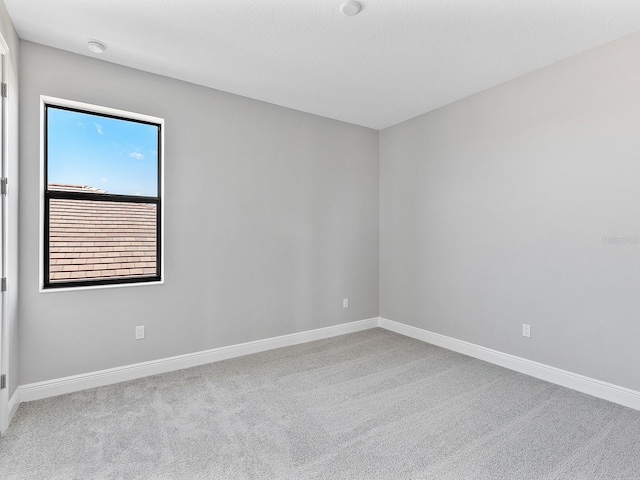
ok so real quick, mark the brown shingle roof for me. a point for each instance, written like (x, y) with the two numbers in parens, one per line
(100, 239)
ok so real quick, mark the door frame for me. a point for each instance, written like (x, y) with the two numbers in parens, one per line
(4, 350)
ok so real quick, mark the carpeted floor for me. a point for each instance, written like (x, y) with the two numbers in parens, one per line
(369, 405)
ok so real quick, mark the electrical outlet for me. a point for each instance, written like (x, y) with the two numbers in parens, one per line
(345, 303)
(140, 332)
(526, 330)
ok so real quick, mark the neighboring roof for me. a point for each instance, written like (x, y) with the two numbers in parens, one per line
(100, 239)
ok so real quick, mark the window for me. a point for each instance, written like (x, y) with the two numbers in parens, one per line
(102, 196)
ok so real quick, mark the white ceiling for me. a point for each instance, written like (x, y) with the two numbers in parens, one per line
(395, 60)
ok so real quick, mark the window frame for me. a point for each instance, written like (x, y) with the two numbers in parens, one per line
(46, 195)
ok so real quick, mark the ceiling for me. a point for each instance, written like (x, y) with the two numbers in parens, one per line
(395, 60)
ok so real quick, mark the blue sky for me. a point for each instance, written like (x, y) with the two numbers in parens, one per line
(117, 156)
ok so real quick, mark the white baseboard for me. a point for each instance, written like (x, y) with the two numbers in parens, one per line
(35, 391)
(14, 403)
(50, 388)
(597, 388)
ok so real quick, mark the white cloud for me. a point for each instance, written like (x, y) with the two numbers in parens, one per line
(136, 155)
(105, 180)
(98, 127)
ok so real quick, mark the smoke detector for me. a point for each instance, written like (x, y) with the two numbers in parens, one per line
(96, 47)
(350, 8)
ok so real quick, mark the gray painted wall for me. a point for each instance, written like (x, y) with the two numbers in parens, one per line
(494, 208)
(271, 219)
(492, 214)
(11, 78)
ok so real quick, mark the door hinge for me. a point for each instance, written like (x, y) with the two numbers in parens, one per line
(4, 90)
(3, 286)
(3, 186)
(3, 382)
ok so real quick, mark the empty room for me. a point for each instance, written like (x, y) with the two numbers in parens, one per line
(296, 239)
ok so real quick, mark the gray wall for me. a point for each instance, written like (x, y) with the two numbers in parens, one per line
(492, 214)
(271, 219)
(494, 209)
(11, 78)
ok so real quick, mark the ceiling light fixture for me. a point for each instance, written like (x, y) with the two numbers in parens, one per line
(96, 47)
(350, 8)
